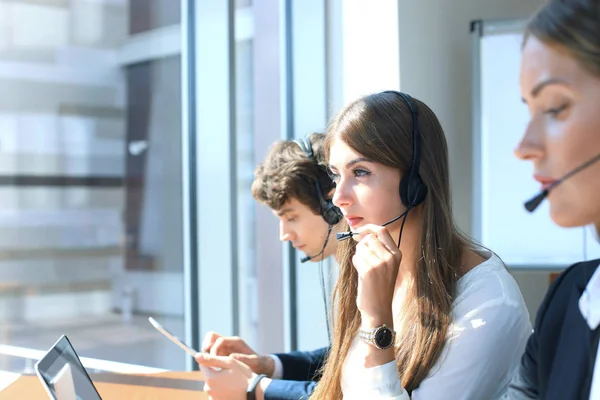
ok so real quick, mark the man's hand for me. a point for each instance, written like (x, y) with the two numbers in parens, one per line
(230, 381)
(236, 348)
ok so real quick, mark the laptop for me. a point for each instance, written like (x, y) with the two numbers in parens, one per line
(63, 374)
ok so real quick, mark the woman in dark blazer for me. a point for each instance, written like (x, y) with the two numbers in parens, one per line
(560, 83)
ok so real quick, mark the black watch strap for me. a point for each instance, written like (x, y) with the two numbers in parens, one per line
(250, 393)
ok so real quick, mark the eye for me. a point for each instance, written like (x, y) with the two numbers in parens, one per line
(360, 172)
(555, 112)
(291, 219)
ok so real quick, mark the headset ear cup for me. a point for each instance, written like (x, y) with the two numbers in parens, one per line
(332, 215)
(419, 193)
(412, 190)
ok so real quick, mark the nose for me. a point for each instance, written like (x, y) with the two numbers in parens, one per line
(531, 146)
(343, 195)
(285, 233)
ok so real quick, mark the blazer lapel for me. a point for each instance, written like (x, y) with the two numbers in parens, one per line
(570, 364)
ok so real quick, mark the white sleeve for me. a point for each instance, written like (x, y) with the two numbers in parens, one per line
(378, 383)
(481, 356)
(278, 370)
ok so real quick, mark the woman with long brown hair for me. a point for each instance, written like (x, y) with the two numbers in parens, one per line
(421, 311)
(560, 83)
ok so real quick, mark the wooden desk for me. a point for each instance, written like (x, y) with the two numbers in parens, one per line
(139, 387)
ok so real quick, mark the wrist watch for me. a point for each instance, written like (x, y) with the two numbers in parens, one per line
(251, 391)
(381, 337)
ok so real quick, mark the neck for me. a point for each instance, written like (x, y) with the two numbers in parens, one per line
(331, 248)
(410, 247)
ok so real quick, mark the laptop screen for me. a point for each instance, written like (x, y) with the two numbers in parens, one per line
(64, 375)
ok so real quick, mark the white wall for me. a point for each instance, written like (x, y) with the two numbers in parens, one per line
(435, 67)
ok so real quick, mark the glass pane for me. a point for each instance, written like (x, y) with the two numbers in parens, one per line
(145, 15)
(248, 307)
(90, 187)
(153, 265)
(243, 3)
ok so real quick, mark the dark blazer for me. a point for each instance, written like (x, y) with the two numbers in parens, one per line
(559, 358)
(301, 371)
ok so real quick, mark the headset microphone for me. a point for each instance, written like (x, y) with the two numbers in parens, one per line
(535, 201)
(346, 235)
(308, 258)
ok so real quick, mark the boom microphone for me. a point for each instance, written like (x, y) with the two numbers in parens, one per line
(535, 201)
(346, 235)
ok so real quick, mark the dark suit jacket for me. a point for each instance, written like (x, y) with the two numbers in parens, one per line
(301, 371)
(559, 359)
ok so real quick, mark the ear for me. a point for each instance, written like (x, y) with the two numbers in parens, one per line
(331, 193)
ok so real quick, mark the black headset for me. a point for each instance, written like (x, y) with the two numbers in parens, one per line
(330, 213)
(412, 189)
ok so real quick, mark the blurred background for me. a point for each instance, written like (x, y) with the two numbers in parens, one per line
(129, 132)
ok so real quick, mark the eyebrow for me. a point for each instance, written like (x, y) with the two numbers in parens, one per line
(537, 89)
(355, 161)
(281, 213)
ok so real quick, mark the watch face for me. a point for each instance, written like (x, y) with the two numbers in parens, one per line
(384, 337)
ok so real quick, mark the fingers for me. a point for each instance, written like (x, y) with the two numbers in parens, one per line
(219, 345)
(224, 377)
(254, 362)
(249, 360)
(379, 249)
(372, 253)
(365, 256)
(373, 244)
(208, 360)
(209, 340)
(381, 233)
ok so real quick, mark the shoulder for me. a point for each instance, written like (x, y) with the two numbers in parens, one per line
(577, 275)
(488, 284)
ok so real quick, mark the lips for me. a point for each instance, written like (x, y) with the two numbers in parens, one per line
(353, 220)
(545, 181)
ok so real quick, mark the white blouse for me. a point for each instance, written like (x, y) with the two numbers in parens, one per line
(484, 346)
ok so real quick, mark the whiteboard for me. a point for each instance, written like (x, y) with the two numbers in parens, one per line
(502, 183)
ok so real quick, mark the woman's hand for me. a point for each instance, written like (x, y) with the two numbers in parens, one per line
(231, 381)
(376, 260)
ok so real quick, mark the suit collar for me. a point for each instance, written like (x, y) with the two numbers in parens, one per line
(573, 351)
(589, 302)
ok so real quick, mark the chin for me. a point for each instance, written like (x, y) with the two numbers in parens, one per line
(566, 218)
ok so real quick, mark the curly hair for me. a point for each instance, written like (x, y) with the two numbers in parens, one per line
(288, 173)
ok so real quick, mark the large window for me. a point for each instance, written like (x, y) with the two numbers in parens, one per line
(129, 134)
(148, 15)
(90, 181)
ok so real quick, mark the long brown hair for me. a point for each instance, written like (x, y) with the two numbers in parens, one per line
(574, 26)
(379, 127)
